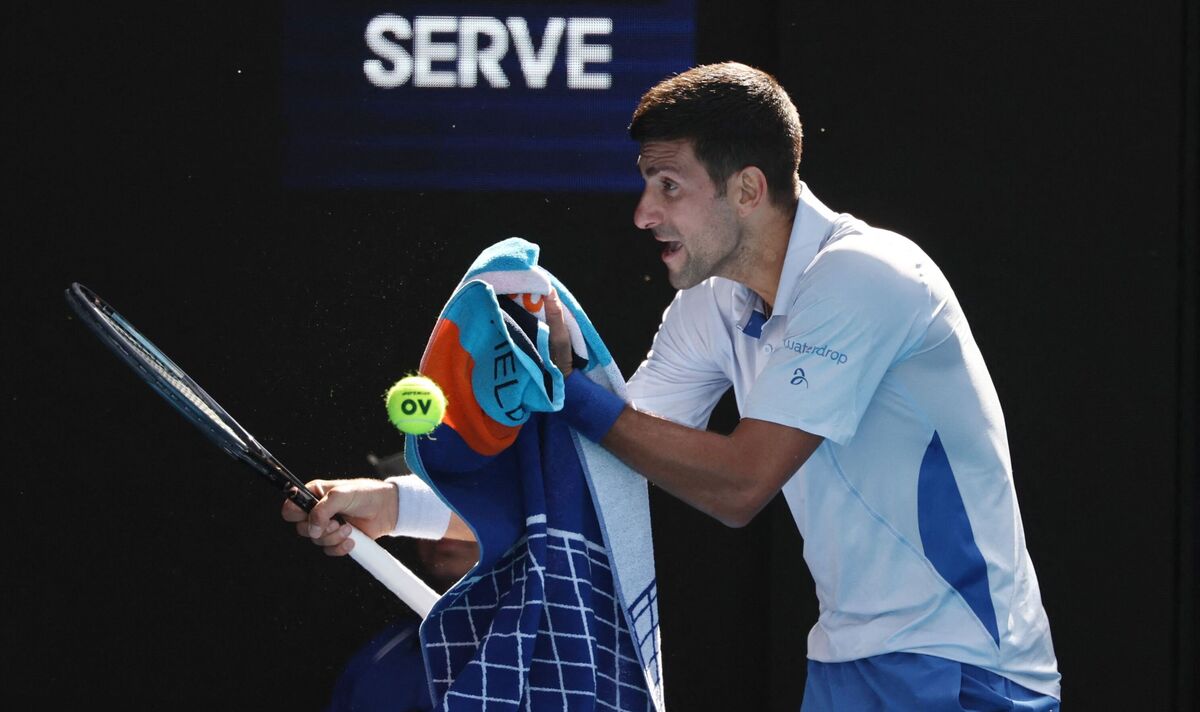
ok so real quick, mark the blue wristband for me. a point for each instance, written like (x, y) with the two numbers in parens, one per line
(589, 407)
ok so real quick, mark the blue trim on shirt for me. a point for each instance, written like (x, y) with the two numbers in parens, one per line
(754, 324)
(911, 682)
(947, 537)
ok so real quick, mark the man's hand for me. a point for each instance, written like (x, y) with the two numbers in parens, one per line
(560, 335)
(370, 505)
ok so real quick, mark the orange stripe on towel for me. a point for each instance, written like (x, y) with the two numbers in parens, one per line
(450, 366)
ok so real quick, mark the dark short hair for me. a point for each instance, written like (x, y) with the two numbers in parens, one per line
(735, 115)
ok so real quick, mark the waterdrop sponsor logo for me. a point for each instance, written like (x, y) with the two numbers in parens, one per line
(823, 351)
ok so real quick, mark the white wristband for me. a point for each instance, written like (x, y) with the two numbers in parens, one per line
(420, 513)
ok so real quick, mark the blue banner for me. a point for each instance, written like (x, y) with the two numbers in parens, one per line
(474, 95)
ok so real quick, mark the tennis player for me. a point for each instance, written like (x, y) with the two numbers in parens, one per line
(863, 398)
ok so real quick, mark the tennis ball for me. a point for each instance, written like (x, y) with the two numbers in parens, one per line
(415, 405)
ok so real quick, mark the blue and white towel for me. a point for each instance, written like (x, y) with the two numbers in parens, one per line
(561, 611)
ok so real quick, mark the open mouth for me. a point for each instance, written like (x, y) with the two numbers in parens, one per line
(670, 248)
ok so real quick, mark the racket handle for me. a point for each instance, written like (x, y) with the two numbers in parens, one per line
(393, 574)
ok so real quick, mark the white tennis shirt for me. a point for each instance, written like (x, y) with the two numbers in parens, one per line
(910, 521)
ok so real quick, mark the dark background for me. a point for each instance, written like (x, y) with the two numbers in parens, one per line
(1043, 154)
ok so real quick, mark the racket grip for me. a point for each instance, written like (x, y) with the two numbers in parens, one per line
(415, 593)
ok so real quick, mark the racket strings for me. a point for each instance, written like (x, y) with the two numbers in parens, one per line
(168, 375)
(169, 381)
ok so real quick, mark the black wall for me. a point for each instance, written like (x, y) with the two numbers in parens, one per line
(1043, 154)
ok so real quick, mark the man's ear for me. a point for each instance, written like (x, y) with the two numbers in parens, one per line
(750, 189)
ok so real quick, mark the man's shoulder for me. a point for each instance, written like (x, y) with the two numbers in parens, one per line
(868, 252)
(863, 266)
(851, 232)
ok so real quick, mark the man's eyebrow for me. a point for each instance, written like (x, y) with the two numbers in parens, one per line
(659, 168)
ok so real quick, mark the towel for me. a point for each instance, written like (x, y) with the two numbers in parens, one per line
(561, 611)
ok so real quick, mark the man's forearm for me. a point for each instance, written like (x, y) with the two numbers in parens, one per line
(729, 477)
(698, 467)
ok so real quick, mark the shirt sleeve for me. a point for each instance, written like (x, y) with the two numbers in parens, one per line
(681, 379)
(857, 311)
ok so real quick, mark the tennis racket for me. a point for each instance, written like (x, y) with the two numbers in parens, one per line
(206, 414)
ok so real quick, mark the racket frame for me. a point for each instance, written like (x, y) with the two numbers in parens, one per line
(140, 354)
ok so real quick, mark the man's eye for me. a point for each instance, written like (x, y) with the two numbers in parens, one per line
(669, 185)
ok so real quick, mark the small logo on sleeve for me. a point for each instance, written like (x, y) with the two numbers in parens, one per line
(823, 351)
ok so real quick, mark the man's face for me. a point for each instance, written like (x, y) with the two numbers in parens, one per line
(680, 206)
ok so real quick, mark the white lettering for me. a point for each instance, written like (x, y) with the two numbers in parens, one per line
(472, 60)
(426, 51)
(378, 42)
(536, 64)
(579, 53)
(482, 44)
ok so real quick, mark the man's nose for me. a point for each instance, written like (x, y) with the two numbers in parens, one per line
(647, 213)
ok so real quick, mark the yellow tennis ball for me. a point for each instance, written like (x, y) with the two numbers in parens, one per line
(415, 405)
